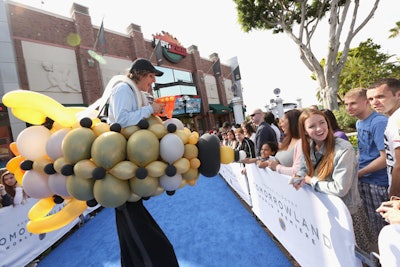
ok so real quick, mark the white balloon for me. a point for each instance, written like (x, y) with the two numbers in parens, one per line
(53, 145)
(178, 123)
(171, 148)
(58, 184)
(31, 142)
(171, 183)
(36, 184)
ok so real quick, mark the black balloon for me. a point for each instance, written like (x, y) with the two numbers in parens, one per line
(209, 155)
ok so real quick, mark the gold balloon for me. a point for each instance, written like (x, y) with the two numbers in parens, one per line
(124, 170)
(100, 128)
(191, 174)
(59, 163)
(191, 151)
(39, 164)
(183, 135)
(156, 168)
(182, 165)
(128, 131)
(158, 129)
(133, 198)
(111, 192)
(144, 187)
(154, 120)
(77, 144)
(143, 147)
(81, 189)
(108, 149)
(84, 169)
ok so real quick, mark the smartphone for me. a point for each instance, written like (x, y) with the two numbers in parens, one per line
(296, 180)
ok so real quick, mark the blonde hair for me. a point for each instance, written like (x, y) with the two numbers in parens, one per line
(358, 92)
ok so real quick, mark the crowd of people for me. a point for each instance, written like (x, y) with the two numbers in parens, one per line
(311, 147)
(306, 144)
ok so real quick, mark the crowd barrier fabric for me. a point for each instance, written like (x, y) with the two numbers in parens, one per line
(238, 181)
(316, 229)
(18, 247)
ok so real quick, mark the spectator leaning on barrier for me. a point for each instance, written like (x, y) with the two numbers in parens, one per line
(289, 153)
(13, 188)
(244, 143)
(384, 97)
(372, 174)
(249, 130)
(4, 197)
(330, 166)
(264, 132)
(269, 118)
(335, 126)
(389, 237)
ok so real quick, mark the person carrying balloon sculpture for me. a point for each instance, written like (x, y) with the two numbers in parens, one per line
(142, 241)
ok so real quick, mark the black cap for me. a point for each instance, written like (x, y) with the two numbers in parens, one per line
(144, 64)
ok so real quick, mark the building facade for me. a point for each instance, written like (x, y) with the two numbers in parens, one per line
(71, 61)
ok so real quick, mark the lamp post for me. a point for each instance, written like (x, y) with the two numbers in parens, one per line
(278, 102)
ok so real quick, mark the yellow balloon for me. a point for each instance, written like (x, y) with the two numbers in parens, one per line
(41, 208)
(193, 139)
(35, 103)
(194, 163)
(70, 212)
(19, 175)
(30, 116)
(227, 155)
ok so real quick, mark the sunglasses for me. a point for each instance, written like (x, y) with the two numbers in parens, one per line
(252, 115)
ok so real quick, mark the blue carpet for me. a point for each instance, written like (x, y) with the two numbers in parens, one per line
(207, 225)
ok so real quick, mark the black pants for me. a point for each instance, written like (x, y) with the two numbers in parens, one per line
(141, 240)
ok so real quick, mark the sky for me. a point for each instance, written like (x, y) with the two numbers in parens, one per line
(267, 61)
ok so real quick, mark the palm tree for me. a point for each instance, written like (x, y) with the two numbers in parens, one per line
(395, 31)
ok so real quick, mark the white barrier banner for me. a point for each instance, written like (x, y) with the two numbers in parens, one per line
(315, 228)
(238, 181)
(389, 240)
(18, 247)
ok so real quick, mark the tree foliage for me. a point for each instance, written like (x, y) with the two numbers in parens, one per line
(395, 31)
(300, 19)
(366, 64)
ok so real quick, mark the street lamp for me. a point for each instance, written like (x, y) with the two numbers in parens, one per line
(278, 102)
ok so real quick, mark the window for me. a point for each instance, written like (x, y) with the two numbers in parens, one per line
(172, 76)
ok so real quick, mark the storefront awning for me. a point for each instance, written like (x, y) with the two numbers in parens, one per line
(219, 109)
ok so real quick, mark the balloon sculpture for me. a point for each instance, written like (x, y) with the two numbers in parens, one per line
(87, 162)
